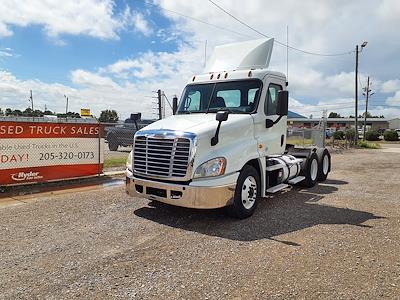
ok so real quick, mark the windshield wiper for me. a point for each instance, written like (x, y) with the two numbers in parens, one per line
(217, 109)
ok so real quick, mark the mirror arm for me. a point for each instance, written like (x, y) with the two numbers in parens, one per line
(136, 125)
(214, 139)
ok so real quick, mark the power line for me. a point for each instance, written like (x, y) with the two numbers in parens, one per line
(277, 41)
(200, 21)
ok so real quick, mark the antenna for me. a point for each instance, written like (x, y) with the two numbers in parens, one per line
(205, 54)
(287, 55)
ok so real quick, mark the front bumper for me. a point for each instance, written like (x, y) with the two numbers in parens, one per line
(205, 197)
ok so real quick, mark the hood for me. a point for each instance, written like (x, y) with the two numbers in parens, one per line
(196, 123)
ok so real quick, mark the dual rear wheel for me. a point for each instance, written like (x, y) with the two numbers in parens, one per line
(317, 168)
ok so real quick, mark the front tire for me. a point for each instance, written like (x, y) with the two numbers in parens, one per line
(248, 190)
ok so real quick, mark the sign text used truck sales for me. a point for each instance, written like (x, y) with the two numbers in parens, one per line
(37, 152)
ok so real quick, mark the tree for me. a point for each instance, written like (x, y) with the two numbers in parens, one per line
(369, 115)
(1, 112)
(69, 115)
(48, 112)
(108, 116)
(9, 111)
(334, 115)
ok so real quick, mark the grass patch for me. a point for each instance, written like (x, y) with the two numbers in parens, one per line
(115, 162)
(369, 145)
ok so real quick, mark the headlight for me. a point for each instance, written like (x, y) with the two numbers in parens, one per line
(129, 161)
(213, 167)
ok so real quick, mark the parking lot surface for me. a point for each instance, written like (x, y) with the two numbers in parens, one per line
(338, 240)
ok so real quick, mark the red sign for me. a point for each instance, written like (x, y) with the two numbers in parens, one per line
(39, 152)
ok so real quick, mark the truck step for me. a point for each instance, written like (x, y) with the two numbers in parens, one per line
(277, 188)
(296, 180)
(274, 167)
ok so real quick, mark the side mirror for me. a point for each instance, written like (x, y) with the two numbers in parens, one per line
(221, 116)
(282, 105)
(136, 117)
(174, 105)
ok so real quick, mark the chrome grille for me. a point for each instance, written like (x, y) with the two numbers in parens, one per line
(161, 157)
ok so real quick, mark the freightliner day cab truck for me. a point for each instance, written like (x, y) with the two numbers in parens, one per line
(226, 143)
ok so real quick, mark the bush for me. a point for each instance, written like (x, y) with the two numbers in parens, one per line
(390, 135)
(372, 135)
(350, 134)
(364, 144)
(338, 135)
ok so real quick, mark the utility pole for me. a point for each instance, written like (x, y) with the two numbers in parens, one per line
(159, 95)
(66, 106)
(31, 99)
(363, 45)
(367, 91)
(356, 99)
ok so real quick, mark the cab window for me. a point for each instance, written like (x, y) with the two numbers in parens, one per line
(270, 104)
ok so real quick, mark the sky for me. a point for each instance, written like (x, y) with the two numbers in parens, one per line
(106, 54)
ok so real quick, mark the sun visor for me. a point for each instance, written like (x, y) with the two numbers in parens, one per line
(254, 54)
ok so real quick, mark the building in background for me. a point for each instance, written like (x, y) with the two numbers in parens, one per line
(341, 123)
(394, 123)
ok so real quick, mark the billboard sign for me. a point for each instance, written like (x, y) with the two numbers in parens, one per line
(38, 152)
(85, 112)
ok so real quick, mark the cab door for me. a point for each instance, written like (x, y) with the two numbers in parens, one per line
(270, 127)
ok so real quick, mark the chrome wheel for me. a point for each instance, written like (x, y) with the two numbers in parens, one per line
(314, 169)
(325, 165)
(249, 192)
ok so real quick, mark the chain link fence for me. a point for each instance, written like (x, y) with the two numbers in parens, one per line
(118, 139)
(306, 137)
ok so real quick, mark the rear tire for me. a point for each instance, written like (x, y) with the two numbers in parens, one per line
(248, 190)
(324, 166)
(311, 171)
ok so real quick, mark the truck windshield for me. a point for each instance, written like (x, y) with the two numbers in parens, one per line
(235, 96)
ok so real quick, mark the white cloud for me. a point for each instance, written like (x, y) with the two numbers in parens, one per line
(140, 24)
(390, 86)
(4, 31)
(394, 100)
(94, 18)
(88, 79)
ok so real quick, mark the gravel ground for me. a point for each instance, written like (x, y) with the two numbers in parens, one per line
(338, 240)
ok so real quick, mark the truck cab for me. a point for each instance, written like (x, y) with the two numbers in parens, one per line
(226, 143)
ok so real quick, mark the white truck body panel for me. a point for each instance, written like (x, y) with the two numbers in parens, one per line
(255, 54)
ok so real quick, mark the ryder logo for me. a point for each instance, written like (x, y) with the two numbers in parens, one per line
(22, 176)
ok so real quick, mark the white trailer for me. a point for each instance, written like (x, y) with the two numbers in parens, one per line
(226, 143)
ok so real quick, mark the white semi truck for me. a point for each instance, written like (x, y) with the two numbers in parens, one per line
(226, 143)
